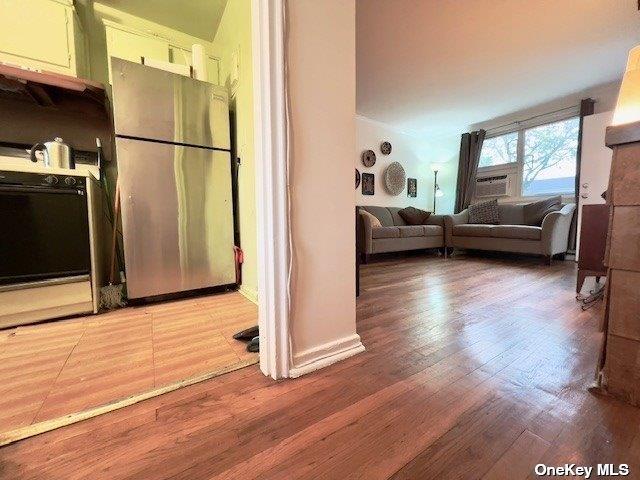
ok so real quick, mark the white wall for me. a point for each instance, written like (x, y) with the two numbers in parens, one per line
(596, 161)
(416, 156)
(369, 135)
(323, 101)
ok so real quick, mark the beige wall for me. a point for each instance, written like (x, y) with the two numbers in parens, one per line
(322, 93)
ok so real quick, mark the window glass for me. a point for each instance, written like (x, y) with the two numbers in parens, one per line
(499, 150)
(549, 163)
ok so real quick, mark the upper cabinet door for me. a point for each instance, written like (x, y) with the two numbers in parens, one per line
(38, 34)
(132, 46)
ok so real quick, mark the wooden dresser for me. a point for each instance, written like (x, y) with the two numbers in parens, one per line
(619, 366)
(593, 235)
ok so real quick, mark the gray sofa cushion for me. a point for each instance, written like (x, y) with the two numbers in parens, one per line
(535, 212)
(484, 212)
(385, 232)
(523, 232)
(382, 214)
(433, 230)
(511, 214)
(411, 231)
(472, 230)
(398, 221)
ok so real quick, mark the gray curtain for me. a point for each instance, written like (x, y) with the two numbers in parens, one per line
(470, 147)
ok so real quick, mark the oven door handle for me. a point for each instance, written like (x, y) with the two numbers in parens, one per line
(25, 189)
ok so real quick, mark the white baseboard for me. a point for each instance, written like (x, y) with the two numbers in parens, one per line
(249, 293)
(324, 355)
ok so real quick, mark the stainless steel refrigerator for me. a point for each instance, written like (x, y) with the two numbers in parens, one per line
(174, 166)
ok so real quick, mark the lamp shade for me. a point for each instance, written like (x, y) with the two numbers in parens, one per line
(436, 167)
(628, 106)
(439, 193)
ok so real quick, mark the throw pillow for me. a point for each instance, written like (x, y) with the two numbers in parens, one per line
(373, 220)
(414, 216)
(535, 212)
(485, 212)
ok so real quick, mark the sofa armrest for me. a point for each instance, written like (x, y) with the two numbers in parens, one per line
(366, 239)
(555, 230)
(450, 221)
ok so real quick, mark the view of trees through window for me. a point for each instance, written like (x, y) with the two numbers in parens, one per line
(548, 158)
(499, 150)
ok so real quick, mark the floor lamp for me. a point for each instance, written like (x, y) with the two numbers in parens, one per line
(436, 188)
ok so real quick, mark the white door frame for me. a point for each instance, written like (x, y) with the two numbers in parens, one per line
(270, 136)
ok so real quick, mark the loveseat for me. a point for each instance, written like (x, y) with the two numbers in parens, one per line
(393, 234)
(512, 233)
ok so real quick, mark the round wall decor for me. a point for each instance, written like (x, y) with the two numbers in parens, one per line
(357, 178)
(385, 148)
(394, 178)
(368, 158)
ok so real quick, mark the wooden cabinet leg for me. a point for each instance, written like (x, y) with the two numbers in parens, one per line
(580, 281)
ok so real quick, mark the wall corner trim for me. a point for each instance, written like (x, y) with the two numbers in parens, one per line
(326, 354)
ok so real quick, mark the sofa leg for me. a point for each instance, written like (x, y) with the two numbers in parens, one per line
(548, 259)
(446, 254)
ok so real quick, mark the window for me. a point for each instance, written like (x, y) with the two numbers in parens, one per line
(543, 156)
(549, 164)
(499, 150)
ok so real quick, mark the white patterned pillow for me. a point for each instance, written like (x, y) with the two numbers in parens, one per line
(485, 212)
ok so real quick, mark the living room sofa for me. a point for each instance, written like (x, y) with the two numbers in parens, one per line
(394, 235)
(512, 234)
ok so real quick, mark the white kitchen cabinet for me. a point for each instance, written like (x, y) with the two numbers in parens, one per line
(132, 45)
(42, 35)
(183, 56)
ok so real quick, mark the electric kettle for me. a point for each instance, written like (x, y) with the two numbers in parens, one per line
(57, 154)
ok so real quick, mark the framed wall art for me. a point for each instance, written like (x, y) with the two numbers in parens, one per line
(368, 184)
(412, 187)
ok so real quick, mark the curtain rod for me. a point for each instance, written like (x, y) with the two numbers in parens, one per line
(518, 122)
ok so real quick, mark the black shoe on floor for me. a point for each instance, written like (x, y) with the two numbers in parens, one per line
(254, 345)
(247, 335)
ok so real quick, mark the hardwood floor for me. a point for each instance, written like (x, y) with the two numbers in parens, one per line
(58, 368)
(474, 368)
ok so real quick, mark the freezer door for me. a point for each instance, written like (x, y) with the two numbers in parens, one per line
(150, 103)
(177, 217)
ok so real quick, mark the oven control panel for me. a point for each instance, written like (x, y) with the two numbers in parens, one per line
(30, 179)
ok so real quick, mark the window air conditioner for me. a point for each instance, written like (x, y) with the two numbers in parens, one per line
(497, 186)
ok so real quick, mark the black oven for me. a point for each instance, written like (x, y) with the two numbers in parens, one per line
(44, 227)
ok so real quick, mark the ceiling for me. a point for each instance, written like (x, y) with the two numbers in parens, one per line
(438, 66)
(199, 18)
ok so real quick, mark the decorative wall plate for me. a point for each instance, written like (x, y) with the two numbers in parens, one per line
(357, 178)
(368, 158)
(395, 178)
(385, 148)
